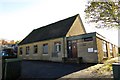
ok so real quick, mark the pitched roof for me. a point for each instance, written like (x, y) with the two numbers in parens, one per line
(54, 30)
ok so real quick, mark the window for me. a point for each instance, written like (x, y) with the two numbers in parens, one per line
(45, 48)
(35, 49)
(104, 45)
(88, 39)
(27, 49)
(57, 47)
(21, 51)
(111, 50)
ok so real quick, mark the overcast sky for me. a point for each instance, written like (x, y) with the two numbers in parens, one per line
(19, 17)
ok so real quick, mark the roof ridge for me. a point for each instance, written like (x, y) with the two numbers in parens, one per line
(56, 22)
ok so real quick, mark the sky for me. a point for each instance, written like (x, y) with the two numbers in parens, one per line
(19, 17)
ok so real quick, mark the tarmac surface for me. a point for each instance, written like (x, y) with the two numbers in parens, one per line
(42, 70)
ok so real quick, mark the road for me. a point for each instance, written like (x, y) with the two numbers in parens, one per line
(37, 70)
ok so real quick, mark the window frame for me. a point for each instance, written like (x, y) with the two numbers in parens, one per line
(27, 50)
(44, 50)
(104, 47)
(111, 50)
(57, 47)
(20, 51)
(35, 49)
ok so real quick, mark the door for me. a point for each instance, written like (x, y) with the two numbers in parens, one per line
(72, 49)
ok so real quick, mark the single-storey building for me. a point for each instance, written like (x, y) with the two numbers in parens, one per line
(66, 40)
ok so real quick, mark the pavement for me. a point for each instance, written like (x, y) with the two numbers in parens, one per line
(42, 70)
(96, 72)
